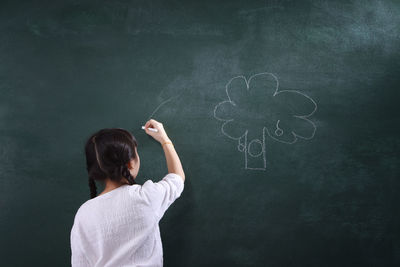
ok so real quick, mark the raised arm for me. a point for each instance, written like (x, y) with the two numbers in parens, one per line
(173, 162)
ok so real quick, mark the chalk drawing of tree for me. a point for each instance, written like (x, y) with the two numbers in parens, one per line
(255, 107)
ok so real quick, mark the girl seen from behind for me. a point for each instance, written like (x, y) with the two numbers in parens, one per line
(119, 227)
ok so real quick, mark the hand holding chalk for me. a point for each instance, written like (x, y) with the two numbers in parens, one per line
(156, 130)
(151, 129)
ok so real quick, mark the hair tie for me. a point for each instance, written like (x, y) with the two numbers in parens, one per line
(168, 142)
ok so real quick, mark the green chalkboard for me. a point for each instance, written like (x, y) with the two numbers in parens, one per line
(284, 114)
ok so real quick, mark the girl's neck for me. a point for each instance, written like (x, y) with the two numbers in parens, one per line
(111, 185)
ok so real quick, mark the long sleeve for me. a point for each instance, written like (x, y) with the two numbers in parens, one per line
(163, 193)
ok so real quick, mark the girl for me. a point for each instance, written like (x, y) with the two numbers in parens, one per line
(120, 227)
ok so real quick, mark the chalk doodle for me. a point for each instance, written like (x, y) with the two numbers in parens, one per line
(278, 114)
(163, 103)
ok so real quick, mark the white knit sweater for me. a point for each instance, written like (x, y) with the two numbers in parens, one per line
(120, 227)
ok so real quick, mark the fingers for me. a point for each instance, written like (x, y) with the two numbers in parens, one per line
(152, 124)
(147, 125)
(160, 134)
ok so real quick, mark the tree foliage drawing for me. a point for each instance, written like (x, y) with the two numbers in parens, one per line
(257, 108)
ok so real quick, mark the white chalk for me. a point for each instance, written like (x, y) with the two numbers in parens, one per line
(151, 129)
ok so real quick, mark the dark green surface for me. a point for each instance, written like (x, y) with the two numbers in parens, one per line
(70, 68)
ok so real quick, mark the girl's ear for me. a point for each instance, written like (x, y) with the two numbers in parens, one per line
(130, 164)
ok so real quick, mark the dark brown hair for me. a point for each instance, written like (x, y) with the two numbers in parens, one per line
(108, 154)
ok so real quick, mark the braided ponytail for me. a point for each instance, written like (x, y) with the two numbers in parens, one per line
(93, 188)
(108, 154)
(127, 174)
